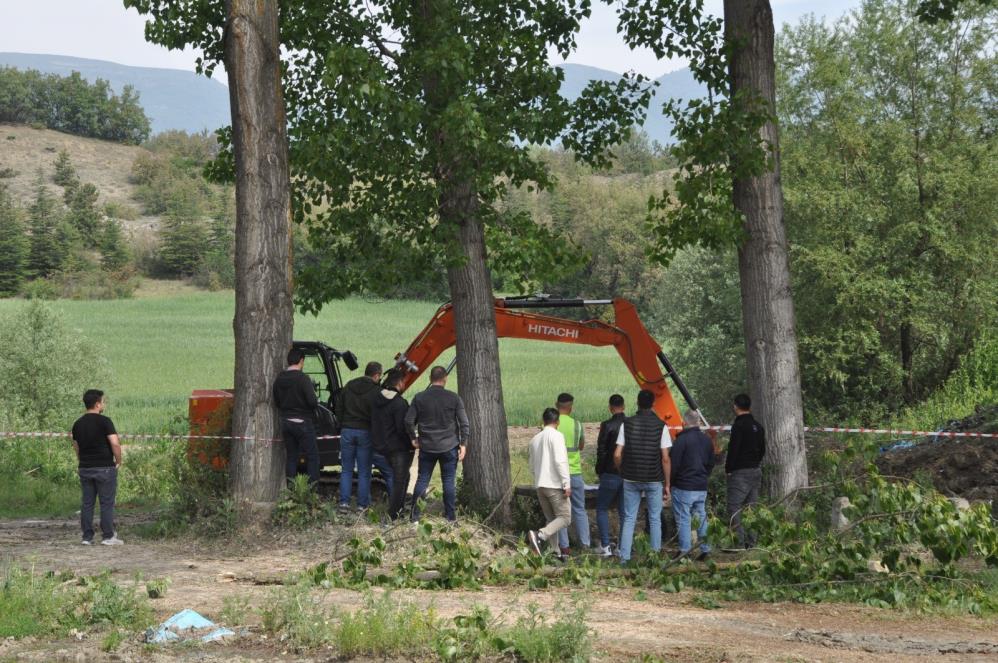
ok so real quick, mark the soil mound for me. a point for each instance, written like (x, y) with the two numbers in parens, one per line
(962, 467)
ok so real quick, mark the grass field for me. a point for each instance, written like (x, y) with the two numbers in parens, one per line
(162, 346)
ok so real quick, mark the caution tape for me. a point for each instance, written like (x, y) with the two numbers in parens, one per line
(893, 432)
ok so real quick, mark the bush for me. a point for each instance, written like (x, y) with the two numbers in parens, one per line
(300, 507)
(33, 604)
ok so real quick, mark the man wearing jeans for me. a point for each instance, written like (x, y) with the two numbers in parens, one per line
(354, 410)
(574, 442)
(642, 456)
(745, 453)
(610, 483)
(438, 426)
(692, 458)
(294, 396)
(99, 454)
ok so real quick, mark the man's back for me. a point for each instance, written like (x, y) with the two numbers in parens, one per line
(549, 460)
(354, 403)
(692, 457)
(294, 395)
(642, 455)
(440, 416)
(748, 444)
(606, 443)
(90, 432)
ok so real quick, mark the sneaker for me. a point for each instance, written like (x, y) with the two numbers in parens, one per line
(534, 541)
(113, 541)
(342, 508)
(87, 542)
(603, 551)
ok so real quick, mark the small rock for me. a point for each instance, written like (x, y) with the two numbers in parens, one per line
(875, 566)
(959, 503)
(839, 520)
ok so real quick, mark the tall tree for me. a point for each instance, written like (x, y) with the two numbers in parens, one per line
(246, 34)
(13, 245)
(763, 263)
(728, 189)
(46, 253)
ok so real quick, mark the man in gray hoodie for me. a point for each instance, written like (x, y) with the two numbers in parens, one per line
(438, 426)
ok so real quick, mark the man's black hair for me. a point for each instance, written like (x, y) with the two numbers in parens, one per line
(394, 377)
(550, 416)
(373, 368)
(437, 373)
(616, 401)
(92, 397)
(645, 399)
(742, 402)
(295, 355)
(565, 398)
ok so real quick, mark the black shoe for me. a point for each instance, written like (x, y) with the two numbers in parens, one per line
(703, 557)
(534, 541)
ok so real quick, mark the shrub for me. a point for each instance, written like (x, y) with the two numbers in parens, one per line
(33, 604)
(299, 506)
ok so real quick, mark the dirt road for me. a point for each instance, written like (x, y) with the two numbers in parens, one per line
(627, 624)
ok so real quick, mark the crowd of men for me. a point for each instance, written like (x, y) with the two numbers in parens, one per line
(637, 459)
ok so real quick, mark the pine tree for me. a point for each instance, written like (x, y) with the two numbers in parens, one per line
(114, 253)
(13, 246)
(65, 173)
(45, 255)
(183, 244)
(83, 213)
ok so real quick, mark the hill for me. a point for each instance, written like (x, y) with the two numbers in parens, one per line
(176, 99)
(172, 98)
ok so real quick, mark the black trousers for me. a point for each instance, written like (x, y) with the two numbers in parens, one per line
(400, 461)
(300, 439)
(98, 483)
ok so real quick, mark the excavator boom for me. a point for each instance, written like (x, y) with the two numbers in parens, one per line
(639, 351)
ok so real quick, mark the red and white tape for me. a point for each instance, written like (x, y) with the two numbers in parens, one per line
(893, 432)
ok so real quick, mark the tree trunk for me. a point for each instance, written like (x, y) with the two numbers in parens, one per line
(486, 467)
(264, 310)
(763, 264)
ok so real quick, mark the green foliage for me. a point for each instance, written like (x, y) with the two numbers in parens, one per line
(156, 588)
(13, 245)
(34, 604)
(65, 173)
(235, 609)
(114, 252)
(72, 105)
(890, 173)
(83, 213)
(52, 239)
(182, 245)
(44, 369)
(299, 506)
(386, 628)
(106, 603)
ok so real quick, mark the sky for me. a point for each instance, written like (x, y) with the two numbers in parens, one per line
(105, 30)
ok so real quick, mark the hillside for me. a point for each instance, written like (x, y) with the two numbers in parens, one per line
(175, 99)
(105, 164)
(172, 98)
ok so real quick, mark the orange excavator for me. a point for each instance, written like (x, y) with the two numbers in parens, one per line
(209, 409)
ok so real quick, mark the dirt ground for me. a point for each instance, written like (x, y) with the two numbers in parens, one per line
(627, 625)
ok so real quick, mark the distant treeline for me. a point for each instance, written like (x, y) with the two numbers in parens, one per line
(71, 104)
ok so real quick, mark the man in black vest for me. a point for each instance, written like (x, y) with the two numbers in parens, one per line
(642, 456)
(745, 453)
(610, 483)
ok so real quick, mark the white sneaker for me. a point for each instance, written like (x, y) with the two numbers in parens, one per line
(86, 543)
(604, 551)
(113, 541)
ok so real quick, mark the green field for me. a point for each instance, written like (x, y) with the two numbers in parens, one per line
(160, 348)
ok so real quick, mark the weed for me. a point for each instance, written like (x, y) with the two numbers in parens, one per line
(295, 615)
(105, 602)
(112, 640)
(33, 604)
(234, 610)
(537, 639)
(385, 628)
(300, 507)
(156, 588)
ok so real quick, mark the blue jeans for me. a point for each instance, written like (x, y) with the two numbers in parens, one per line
(382, 465)
(685, 502)
(97, 483)
(610, 486)
(448, 476)
(355, 447)
(579, 516)
(632, 501)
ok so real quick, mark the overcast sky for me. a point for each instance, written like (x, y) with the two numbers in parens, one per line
(104, 30)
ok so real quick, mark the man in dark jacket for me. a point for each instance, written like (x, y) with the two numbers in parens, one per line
(692, 457)
(294, 396)
(745, 453)
(610, 483)
(642, 456)
(354, 410)
(438, 426)
(390, 438)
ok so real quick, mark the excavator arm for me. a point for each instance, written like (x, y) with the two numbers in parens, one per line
(639, 351)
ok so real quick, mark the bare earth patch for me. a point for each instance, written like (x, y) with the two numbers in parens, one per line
(626, 624)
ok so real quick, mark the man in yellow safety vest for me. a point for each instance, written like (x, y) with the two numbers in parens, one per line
(574, 442)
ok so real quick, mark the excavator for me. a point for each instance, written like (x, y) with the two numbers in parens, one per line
(516, 317)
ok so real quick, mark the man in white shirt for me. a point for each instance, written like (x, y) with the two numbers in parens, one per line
(642, 456)
(549, 463)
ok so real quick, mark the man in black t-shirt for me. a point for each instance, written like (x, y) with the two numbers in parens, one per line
(746, 451)
(295, 398)
(99, 454)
